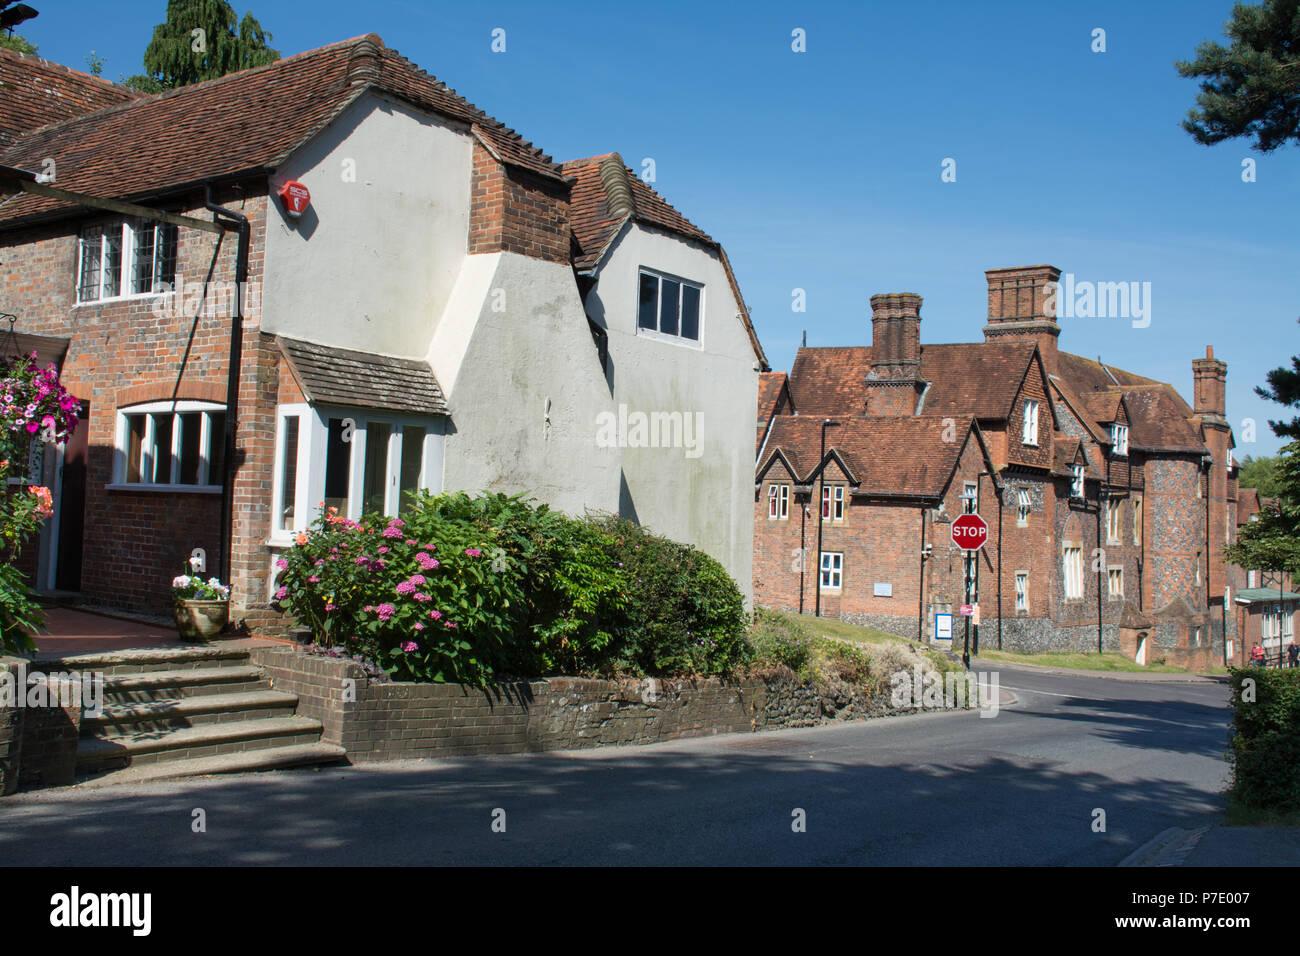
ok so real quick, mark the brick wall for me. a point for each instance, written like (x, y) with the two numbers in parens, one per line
(515, 211)
(38, 744)
(139, 349)
(397, 721)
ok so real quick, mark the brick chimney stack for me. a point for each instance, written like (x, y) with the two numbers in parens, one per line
(1210, 382)
(1022, 304)
(894, 382)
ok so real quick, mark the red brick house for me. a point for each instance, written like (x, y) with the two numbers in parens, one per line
(1264, 602)
(1107, 496)
(452, 311)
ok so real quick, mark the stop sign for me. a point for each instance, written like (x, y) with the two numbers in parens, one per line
(969, 532)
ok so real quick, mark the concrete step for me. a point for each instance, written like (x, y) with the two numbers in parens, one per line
(136, 660)
(159, 685)
(206, 740)
(120, 719)
(274, 758)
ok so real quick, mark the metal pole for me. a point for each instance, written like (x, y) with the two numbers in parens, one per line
(821, 494)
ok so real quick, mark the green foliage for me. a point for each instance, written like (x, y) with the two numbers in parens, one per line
(1284, 388)
(1252, 86)
(684, 614)
(1259, 473)
(1265, 753)
(17, 43)
(778, 640)
(201, 40)
(1273, 541)
(33, 404)
(471, 589)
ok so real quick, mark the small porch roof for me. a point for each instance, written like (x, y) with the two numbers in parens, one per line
(337, 376)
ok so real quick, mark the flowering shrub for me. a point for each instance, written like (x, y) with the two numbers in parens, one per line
(33, 405)
(472, 589)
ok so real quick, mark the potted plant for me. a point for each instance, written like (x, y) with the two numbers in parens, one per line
(202, 608)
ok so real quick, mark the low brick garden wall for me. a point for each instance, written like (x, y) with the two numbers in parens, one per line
(38, 744)
(378, 721)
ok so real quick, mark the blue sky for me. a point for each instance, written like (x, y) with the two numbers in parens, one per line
(821, 170)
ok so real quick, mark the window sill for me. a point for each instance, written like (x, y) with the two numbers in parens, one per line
(114, 299)
(166, 489)
(656, 336)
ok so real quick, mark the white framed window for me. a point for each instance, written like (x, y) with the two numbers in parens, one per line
(1076, 481)
(1073, 573)
(833, 503)
(170, 446)
(1022, 590)
(669, 307)
(1029, 433)
(1022, 507)
(1198, 567)
(1252, 579)
(1137, 519)
(1115, 583)
(832, 570)
(354, 461)
(136, 257)
(970, 498)
(1288, 623)
(1119, 438)
(1114, 521)
(778, 502)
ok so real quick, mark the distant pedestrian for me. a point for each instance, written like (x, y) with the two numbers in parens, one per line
(1293, 656)
(1257, 656)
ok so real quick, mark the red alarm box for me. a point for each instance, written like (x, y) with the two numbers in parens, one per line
(295, 197)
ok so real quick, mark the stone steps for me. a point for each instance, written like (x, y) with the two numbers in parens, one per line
(274, 758)
(178, 712)
(95, 754)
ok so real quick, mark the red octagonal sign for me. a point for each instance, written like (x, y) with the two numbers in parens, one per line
(969, 532)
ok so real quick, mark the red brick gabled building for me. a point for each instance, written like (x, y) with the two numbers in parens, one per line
(1107, 496)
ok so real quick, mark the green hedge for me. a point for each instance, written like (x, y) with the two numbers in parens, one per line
(1266, 739)
(474, 589)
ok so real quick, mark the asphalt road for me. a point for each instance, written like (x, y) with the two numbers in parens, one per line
(927, 789)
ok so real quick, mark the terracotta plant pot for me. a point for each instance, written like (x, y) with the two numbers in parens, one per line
(201, 621)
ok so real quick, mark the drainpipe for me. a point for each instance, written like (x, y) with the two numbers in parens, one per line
(803, 551)
(997, 487)
(920, 585)
(237, 222)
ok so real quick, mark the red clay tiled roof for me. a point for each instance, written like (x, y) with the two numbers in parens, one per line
(34, 92)
(1102, 406)
(245, 123)
(1158, 420)
(771, 391)
(924, 471)
(1079, 410)
(594, 226)
(1247, 504)
(1086, 375)
(976, 378)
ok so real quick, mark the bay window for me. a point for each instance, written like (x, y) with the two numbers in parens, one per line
(354, 461)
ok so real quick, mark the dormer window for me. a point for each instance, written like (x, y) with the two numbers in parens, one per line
(1029, 434)
(1119, 438)
(130, 258)
(1076, 482)
(669, 307)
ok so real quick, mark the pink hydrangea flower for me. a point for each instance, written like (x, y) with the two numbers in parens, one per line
(313, 580)
(392, 533)
(383, 550)
(419, 627)
(406, 587)
(419, 596)
(417, 579)
(436, 615)
(410, 646)
(385, 611)
(452, 624)
(473, 552)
